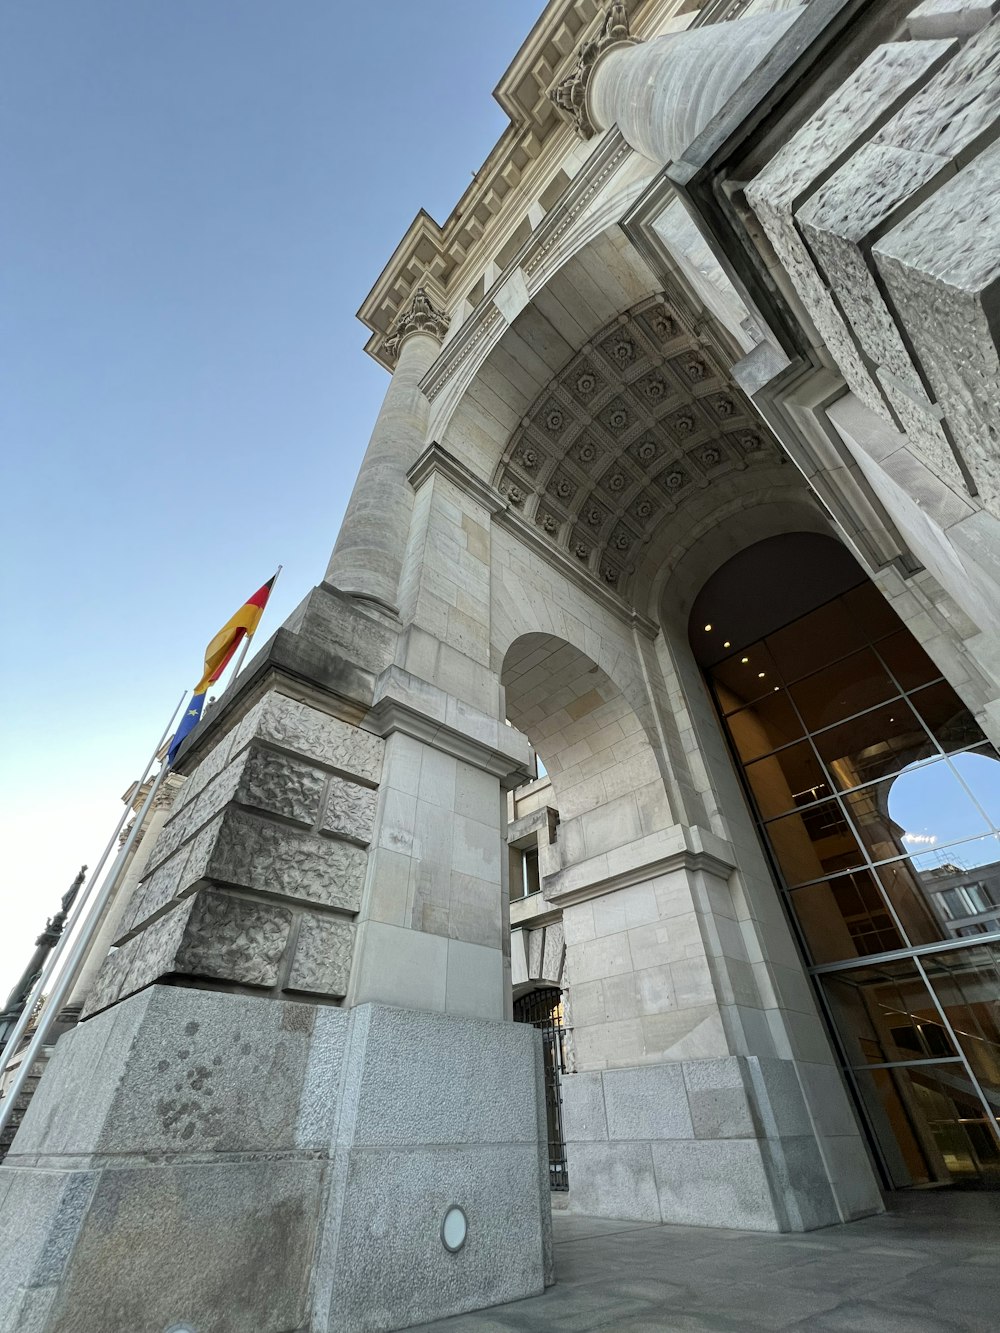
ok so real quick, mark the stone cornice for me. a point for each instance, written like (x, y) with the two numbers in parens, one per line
(391, 715)
(536, 131)
(609, 155)
(691, 858)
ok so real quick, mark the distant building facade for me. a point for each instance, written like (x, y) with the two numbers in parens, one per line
(687, 481)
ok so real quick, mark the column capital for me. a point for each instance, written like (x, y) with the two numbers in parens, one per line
(418, 315)
(570, 96)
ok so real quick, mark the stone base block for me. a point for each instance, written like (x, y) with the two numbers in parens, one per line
(222, 1162)
(716, 1143)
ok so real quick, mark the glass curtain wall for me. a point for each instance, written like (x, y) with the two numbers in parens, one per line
(878, 798)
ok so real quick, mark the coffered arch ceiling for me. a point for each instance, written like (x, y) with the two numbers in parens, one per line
(640, 421)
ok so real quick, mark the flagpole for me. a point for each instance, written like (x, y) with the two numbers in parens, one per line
(79, 909)
(246, 641)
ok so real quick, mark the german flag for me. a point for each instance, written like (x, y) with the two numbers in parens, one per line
(219, 652)
(218, 655)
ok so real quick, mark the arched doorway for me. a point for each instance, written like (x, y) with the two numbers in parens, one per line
(877, 797)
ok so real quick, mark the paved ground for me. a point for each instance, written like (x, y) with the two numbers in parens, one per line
(929, 1265)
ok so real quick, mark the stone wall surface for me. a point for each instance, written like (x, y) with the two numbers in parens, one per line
(727, 1141)
(163, 1188)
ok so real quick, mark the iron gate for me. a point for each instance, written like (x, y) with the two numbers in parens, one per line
(543, 1009)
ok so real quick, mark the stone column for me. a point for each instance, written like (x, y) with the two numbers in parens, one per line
(662, 93)
(368, 555)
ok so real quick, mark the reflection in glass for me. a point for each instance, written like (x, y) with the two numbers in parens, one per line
(931, 1126)
(816, 841)
(873, 745)
(967, 985)
(948, 720)
(849, 686)
(764, 726)
(913, 903)
(747, 675)
(905, 854)
(869, 610)
(786, 780)
(907, 660)
(845, 917)
(815, 640)
(931, 808)
(885, 1014)
(980, 771)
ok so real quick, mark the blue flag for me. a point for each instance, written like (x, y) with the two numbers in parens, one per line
(191, 718)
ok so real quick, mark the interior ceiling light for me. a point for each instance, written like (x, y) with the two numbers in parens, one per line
(707, 628)
(727, 644)
(744, 659)
(760, 675)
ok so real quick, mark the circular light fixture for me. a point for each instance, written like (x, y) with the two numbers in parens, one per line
(744, 659)
(760, 675)
(707, 628)
(454, 1229)
(727, 644)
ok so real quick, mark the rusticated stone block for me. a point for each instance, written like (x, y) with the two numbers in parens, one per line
(282, 785)
(247, 851)
(210, 934)
(322, 961)
(350, 810)
(186, 821)
(942, 269)
(211, 766)
(306, 731)
(272, 858)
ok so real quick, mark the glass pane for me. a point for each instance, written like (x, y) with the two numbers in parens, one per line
(764, 726)
(873, 745)
(884, 1013)
(914, 903)
(967, 985)
(907, 660)
(839, 691)
(980, 771)
(960, 884)
(816, 640)
(931, 1126)
(869, 609)
(845, 918)
(788, 779)
(928, 807)
(948, 719)
(748, 675)
(815, 842)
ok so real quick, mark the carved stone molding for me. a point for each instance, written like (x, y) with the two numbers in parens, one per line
(570, 96)
(419, 315)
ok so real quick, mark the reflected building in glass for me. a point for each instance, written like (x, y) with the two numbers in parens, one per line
(877, 796)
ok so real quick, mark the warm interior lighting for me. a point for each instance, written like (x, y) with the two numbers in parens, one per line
(727, 644)
(707, 628)
(760, 675)
(744, 659)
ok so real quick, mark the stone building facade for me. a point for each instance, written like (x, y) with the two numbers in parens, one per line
(686, 479)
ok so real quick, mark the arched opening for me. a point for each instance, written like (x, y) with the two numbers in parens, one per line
(877, 797)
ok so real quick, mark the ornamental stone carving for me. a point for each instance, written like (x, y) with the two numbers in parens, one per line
(622, 436)
(570, 96)
(419, 315)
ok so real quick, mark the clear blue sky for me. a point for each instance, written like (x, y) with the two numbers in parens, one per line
(198, 196)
